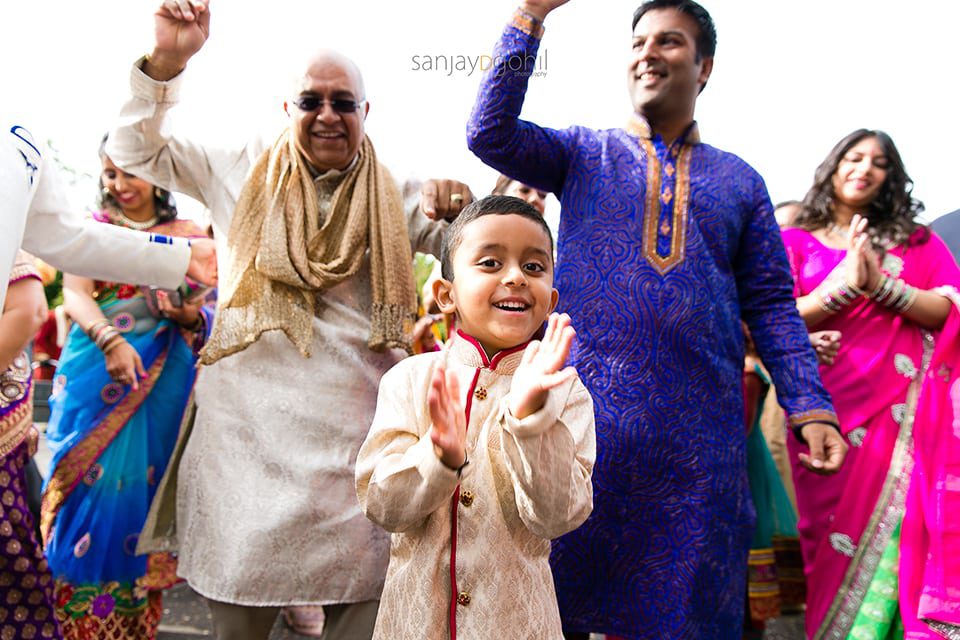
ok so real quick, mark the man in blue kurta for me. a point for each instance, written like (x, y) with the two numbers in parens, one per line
(665, 243)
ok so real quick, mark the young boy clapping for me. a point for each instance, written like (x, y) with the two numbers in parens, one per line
(481, 453)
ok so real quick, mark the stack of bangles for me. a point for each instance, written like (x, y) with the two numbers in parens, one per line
(104, 335)
(841, 295)
(894, 293)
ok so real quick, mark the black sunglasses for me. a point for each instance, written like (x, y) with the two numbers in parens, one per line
(340, 105)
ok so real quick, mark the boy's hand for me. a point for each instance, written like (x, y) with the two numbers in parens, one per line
(449, 430)
(540, 368)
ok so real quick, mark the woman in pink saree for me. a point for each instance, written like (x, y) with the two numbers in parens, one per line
(877, 536)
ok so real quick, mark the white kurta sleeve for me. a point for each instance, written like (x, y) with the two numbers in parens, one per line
(550, 456)
(400, 479)
(53, 231)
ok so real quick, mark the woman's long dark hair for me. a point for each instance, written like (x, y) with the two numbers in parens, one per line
(500, 189)
(893, 211)
(166, 206)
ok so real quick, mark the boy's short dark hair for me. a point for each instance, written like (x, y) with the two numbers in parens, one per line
(488, 206)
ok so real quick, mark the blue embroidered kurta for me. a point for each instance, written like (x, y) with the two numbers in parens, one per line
(661, 251)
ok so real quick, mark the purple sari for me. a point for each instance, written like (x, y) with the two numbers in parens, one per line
(890, 389)
(26, 586)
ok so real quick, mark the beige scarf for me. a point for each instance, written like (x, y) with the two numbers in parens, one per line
(279, 257)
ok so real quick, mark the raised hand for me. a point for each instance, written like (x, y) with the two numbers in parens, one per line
(541, 367)
(181, 29)
(444, 199)
(448, 430)
(203, 261)
(871, 262)
(540, 8)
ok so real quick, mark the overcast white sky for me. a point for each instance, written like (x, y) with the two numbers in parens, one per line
(790, 78)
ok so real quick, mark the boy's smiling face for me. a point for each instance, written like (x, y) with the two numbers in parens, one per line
(502, 290)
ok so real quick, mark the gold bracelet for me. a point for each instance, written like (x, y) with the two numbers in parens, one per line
(113, 344)
(527, 23)
(95, 324)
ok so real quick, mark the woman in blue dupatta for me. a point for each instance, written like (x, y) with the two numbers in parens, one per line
(124, 379)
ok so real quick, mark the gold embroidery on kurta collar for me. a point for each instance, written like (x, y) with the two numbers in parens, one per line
(668, 194)
(667, 204)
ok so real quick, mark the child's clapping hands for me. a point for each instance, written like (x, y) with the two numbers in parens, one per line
(449, 422)
(540, 369)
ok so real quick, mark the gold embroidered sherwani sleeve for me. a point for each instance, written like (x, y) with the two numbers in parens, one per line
(400, 480)
(549, 456)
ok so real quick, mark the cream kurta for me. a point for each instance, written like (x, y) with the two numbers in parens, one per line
(266, 508)
(528, 481)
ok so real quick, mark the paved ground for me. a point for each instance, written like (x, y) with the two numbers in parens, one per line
(186, 617)
(785, 628)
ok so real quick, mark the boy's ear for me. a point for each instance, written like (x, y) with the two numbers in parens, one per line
(554, 299)
(443, 295)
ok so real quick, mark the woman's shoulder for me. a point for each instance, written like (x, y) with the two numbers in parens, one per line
(921, 235)
(925, 240)
(797, 236)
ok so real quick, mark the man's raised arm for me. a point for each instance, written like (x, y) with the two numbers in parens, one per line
(522, 150)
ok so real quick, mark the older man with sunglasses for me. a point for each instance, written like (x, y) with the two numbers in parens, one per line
(316, 302)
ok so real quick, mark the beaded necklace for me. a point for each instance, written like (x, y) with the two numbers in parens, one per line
(843, 233)
(133, 224)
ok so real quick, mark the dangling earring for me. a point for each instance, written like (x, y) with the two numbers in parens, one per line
(158, 193)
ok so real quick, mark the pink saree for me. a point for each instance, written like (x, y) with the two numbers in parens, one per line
(898, 401)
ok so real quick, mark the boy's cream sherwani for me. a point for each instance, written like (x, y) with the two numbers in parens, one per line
(527, 481)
